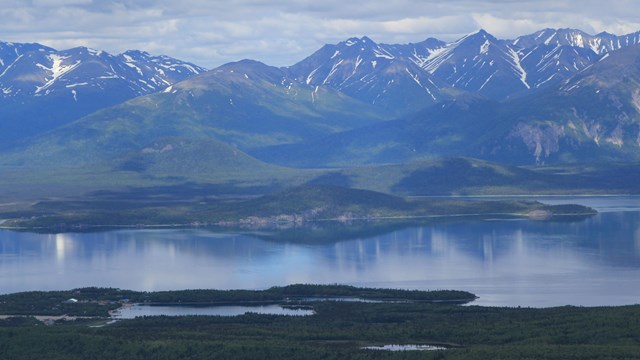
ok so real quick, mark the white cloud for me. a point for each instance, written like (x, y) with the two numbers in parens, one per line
(509, 28)
(210, 33)
(59, 3)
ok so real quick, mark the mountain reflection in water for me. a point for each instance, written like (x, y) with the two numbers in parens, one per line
(595, 261)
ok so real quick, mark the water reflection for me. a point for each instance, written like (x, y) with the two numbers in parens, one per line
(528, 263)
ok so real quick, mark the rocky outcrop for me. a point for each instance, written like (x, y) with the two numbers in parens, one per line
(541, 140)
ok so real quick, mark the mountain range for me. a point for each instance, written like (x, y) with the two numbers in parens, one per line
(477, 63)
(556, 96)
(42, 88)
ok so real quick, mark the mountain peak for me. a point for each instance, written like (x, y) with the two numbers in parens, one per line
(366, 39)
(604, 33)
(83, 50)
(136, 53)
(571, 30)
(480, 35)
(481, 63)
(245, 70)
(245, 63)
(357, 41)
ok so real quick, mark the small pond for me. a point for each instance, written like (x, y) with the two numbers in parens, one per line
(407, 347)
(130, 312)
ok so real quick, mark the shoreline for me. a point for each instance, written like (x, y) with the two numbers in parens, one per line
(522, 196)
(235, 224)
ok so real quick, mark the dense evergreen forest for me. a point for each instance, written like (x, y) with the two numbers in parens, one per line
(337, 330)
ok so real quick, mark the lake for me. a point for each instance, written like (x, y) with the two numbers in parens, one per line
(593, 261)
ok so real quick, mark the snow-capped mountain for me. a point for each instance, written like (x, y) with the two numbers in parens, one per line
(552, 55)
(410, 76)
(42, 71)
(599, 44)
(413, 76)
(9, 52)
(500, 69)
(418, 52)
(41, 88)
(550, 64)
(479, 63)
(389, 76)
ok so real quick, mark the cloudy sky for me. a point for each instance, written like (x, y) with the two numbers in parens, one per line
(212, 32)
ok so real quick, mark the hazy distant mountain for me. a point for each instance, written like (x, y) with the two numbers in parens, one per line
(42, 88)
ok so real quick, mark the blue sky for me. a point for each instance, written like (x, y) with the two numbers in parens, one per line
(210, 32)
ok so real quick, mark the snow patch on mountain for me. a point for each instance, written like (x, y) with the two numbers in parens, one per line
(438, 57)
(57, 70)
(518, 67)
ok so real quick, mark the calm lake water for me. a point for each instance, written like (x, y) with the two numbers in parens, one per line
(146, 310)
(594, 261)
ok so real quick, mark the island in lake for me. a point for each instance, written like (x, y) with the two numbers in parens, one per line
(295, 206)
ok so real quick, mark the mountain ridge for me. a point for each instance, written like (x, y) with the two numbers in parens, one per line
(478, 62)
(378, 74)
